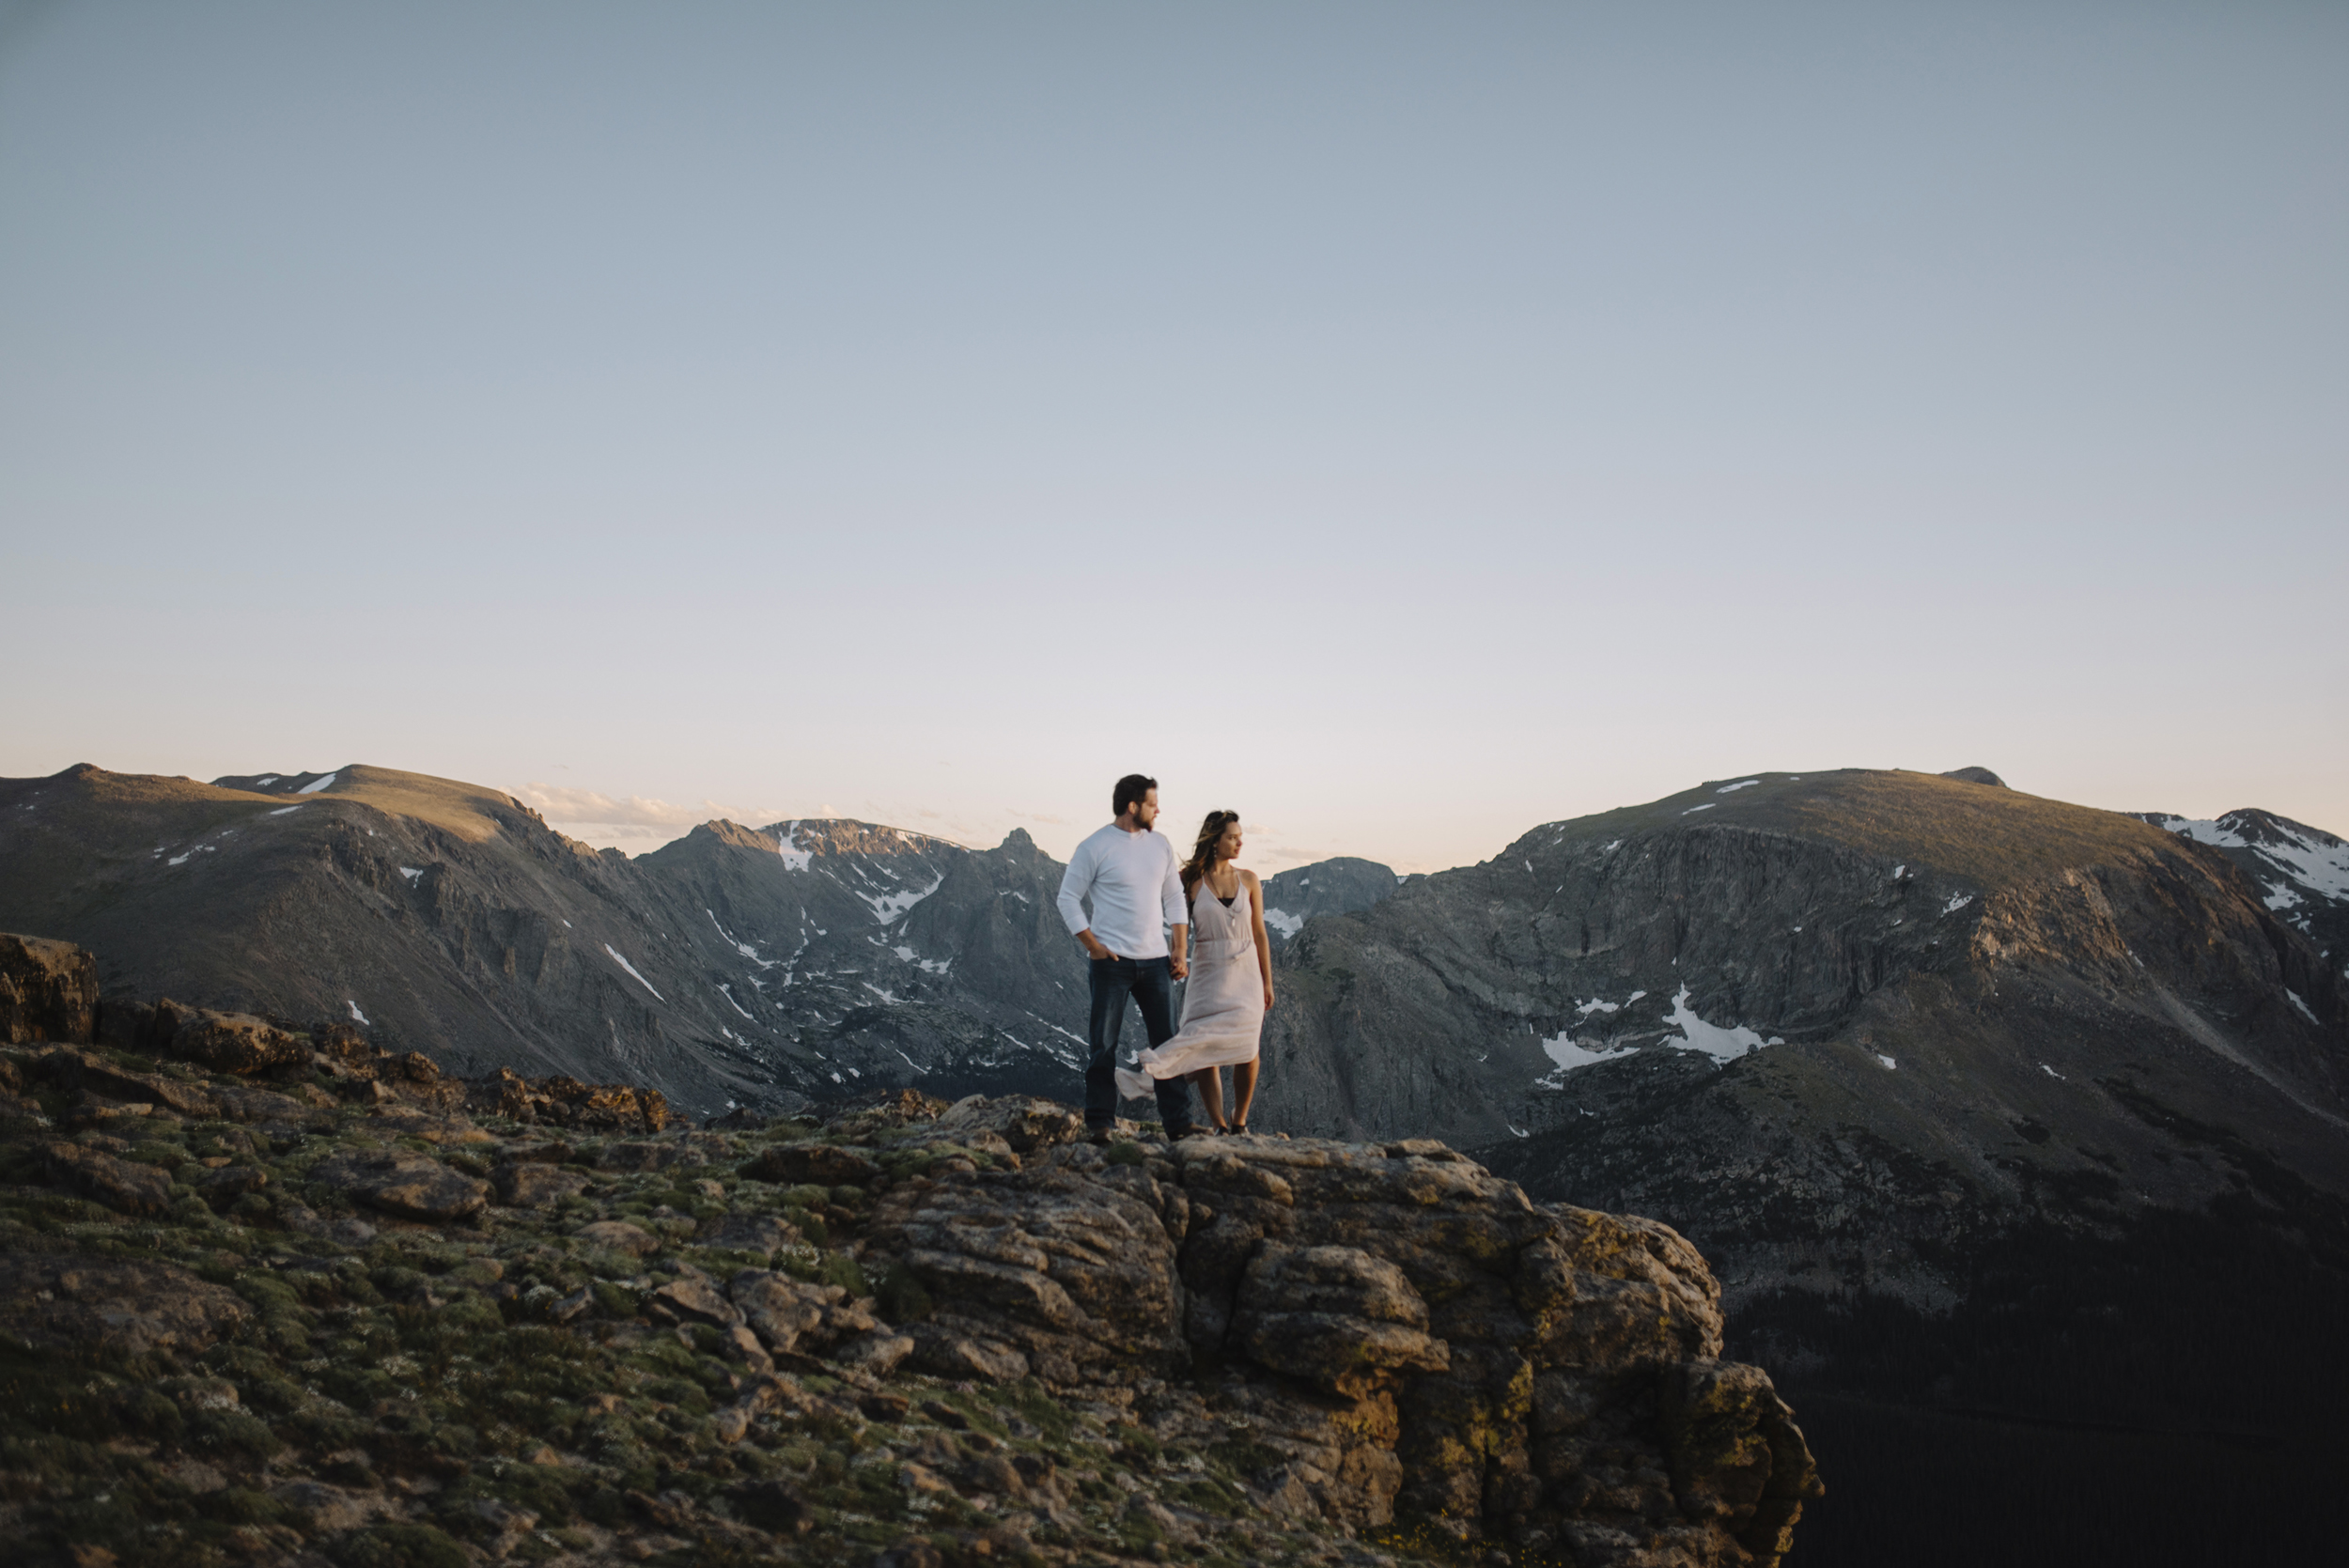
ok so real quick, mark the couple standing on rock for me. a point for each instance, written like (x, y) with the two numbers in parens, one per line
(1140, 897)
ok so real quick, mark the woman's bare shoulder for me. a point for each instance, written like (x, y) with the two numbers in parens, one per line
(1249, 878)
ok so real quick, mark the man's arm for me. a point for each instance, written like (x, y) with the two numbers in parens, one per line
(1177, 917)
(1073, 884)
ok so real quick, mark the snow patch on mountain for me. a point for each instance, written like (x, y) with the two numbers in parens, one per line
(1562, 1049)
(787, 846)
(632, 969)
(1721, 1045)
(888, 907)
(1598, 1004)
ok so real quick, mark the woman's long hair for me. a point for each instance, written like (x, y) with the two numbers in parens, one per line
(1203, 853)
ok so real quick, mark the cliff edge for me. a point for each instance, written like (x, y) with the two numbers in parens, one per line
(282, 1298)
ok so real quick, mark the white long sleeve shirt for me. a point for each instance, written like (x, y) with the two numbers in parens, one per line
(1136, 886)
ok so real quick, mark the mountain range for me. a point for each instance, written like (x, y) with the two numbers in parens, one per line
(1986, 1108)
(754, 965)
(1991, 1112)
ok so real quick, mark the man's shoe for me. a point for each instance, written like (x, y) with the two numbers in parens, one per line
(1101, 1135)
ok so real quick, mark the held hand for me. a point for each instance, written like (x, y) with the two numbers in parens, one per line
(1179, 967)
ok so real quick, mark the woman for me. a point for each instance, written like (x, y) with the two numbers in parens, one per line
(1231, 981)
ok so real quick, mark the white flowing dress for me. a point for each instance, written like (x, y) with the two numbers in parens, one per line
(1222, 1004)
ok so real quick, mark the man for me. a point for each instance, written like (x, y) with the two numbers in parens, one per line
(1132, 877)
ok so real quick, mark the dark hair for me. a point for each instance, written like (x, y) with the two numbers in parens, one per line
(1129, 791)
(1203, 853)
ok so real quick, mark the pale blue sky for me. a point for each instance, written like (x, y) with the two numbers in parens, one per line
(1403, 423)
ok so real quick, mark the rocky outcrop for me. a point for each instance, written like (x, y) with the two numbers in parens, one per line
(535, 1185)
(566, 1102)
(415, 1187)
(1412, 1334)
(910, 1333)
(122, 1305)
(236, 1042)
(119, 1184)
(48, 991)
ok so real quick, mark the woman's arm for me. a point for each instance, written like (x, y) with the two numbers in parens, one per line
(1264, 947)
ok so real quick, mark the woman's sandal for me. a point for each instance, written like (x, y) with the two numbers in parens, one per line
(1237, 1129)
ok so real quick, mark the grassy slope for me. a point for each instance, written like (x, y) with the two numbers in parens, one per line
(460, 808)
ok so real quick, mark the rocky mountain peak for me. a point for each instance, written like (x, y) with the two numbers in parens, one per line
(2302, 872)
(1340, 885)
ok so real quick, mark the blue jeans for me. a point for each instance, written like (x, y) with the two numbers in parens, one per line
(1151, 983)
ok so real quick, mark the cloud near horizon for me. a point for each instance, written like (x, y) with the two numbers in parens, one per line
(562, 804)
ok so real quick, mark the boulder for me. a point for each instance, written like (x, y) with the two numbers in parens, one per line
(749, 1233)
(1335, 1317)
(119, 1184)
(600, 1107)
(697, 1300)
(415, 1066)
(779, 1308)
(1078, 1275)
(229, 1183)
(95, 1074)
(1024, 1123)
(48, 991)
(533, 1185)
(243, 1102)
(413, 1187)
(1737, 1454)
(618, 1235)
(878, 1351)
(133, 1307)
(237, 1042)
(813, 1164)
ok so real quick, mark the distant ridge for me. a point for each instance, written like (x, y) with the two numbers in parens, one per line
(1979, 1101)
(739, 965)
